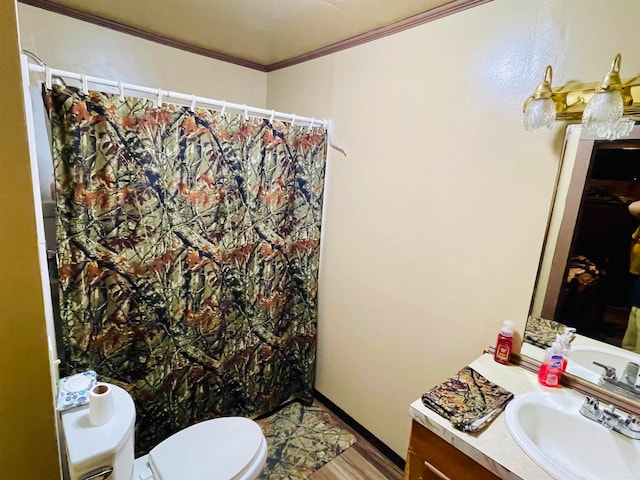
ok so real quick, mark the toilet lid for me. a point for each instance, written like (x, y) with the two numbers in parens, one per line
(219, 449)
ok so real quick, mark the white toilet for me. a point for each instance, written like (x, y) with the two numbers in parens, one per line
(230, 448)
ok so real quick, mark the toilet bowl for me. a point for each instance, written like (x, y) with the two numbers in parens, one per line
(224, 448)
(229, 448)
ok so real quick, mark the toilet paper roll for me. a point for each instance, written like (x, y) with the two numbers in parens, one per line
(101, 406)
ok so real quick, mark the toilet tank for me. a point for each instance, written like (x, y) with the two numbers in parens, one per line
(91, 450)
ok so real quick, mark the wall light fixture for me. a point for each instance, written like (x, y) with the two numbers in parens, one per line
(540, 108)
(600, 106)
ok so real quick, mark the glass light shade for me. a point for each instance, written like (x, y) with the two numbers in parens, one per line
(540, 112)
(602, 114)
(622, 128)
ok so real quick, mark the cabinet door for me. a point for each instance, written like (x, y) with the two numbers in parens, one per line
(419, 469)
(432, 458)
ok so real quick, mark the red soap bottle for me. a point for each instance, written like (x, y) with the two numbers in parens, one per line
(504, 344)
(551, 368)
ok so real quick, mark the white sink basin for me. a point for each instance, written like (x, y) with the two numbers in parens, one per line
(581, 358)
(568, 446)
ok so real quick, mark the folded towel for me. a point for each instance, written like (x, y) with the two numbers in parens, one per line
(541, 332)
(468, 400)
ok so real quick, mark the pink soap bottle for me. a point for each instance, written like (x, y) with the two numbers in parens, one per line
(504, 344)
(551, 368)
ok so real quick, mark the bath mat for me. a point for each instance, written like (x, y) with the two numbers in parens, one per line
(301, 439)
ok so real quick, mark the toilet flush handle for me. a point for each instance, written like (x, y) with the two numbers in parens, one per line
(101, 473)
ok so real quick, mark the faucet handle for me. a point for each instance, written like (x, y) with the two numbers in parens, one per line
(609, 371)
(591, 403)
(630, 427)
(632, 423)
(591, 409)
(630, 374)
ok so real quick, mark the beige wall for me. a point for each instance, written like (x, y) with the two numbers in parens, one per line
(435, 220)
(28, 439)
(69, 44)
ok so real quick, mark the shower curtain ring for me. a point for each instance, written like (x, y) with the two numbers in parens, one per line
(47, 77)
(224, 107)
(160, 94)
(246, 112)
(311, 123)
(193, 102)
(121, 88)
(85, 84)
(273, 114)
(293, 120)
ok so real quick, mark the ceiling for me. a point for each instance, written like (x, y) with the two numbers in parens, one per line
(261, 34)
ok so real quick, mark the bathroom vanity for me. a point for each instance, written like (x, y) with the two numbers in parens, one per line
(440, 452)
(431, 457)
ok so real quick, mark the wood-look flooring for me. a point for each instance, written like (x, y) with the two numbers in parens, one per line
(359, 462)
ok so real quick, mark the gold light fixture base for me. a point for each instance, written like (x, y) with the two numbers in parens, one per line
(571, 99)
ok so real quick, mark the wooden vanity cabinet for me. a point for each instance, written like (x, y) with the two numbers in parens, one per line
(431, 458)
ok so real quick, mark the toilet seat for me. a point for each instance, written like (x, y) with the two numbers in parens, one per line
(230, 448)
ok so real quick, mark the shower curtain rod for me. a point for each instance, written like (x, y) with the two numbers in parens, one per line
(193, 99)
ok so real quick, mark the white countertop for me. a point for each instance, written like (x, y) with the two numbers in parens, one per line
(493, 447)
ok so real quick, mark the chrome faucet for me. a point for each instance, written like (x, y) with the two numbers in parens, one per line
(610, 418)
(630, 374)
(626, 384)
(626, 424)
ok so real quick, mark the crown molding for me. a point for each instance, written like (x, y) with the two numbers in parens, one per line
(140, 33)
(450, 8)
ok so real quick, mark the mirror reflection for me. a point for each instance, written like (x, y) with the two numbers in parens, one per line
(604, 257)
(591, 258)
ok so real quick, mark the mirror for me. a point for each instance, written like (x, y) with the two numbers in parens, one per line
(584, 279)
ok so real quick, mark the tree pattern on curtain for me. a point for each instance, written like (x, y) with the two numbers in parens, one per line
(188, 249)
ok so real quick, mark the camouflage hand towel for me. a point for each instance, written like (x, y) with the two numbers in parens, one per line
(468, 400)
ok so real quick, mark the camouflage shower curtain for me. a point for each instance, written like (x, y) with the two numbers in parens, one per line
(188, 247)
